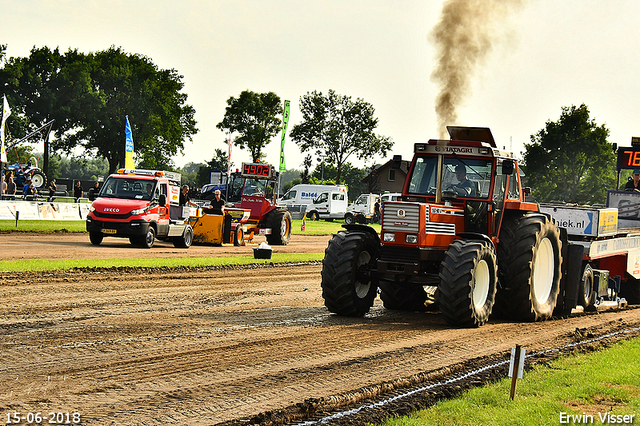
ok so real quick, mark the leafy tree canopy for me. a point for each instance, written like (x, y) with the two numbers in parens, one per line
(89, 96)
(252, 117)
(570, 159)
(335, 127)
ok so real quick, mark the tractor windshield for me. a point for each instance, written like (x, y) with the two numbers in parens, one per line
(468, 177)
(133, 188)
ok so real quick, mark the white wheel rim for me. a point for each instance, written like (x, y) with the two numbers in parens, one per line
(362, 289)
(481, 282)
(543, 270)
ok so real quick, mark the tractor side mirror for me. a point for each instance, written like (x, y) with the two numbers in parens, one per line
(162, 200)
(507, 167)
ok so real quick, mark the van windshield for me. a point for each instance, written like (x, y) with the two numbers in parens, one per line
(130, 188)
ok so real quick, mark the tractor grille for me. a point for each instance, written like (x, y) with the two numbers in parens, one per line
(404, 254)
(401, 217)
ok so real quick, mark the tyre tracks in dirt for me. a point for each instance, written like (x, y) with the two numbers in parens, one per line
(234, 346)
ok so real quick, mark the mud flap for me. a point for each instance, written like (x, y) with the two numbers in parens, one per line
(226, 232)
(571, 275)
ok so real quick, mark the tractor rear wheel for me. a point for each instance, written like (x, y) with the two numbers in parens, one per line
(347, 285)
(530, 261)
(401, 296)
(38, 179)
(280, 223)
(468, 282)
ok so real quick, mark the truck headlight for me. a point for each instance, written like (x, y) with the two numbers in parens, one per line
(388, 237)
(411, 239)
(138, 211)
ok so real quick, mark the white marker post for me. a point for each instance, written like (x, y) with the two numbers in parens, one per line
(517, 361)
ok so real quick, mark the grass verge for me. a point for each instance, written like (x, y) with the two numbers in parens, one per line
(312, 227)
(179, 262)
(593, 387)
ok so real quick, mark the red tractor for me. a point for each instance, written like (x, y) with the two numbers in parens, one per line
(254, 188)
(462, 230)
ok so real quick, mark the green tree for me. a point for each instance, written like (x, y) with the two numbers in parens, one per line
(335, 127)
(351, 177)
(89, 96)
(219, 161)
(253, 118)
(570, 159)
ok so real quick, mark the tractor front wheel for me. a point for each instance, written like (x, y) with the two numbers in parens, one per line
(468, 283)
(280, 223)
(347, 285)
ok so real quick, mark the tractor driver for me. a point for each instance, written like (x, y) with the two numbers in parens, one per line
(464, 187)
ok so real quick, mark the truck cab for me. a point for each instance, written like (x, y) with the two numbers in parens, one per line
(142, 205)
(329, 205)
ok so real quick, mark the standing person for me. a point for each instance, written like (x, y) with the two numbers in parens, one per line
(52, 189)
(376, 211)
(11, 186)
(93, 192)
(633, 184)
(217, 204)
(78, 191)
(3, 187)
(184, 197)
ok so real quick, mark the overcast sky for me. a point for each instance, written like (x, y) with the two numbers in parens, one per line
(546, 54)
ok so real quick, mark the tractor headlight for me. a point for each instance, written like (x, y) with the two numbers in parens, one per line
(411, 239)
(388, 237)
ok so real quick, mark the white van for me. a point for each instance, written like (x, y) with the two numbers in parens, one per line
(329, 205)
(304, 194)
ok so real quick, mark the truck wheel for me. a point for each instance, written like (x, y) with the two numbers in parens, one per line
(401, 296)
(280, 223)
(530, 262)
(148, 239)
(347, 285)
(314, 216)
(586, 295)
(38, 179)
(468, 283)
(238, 237)
(95, 238)
(630, 290)
(185, 240)
(349, 219)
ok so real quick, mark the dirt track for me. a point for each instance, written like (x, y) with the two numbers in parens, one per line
(211, 346)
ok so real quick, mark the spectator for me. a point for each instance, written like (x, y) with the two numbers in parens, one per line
(93, 192)
(11, 186)
(52, 189)
(3, 187)
(78, 192)
(28, 190)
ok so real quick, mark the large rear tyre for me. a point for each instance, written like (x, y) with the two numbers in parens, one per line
(280, 223)
(95, 238)
(38, 179)
(530, 260)
(402, 296)
(468, 282)
(347, 286)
